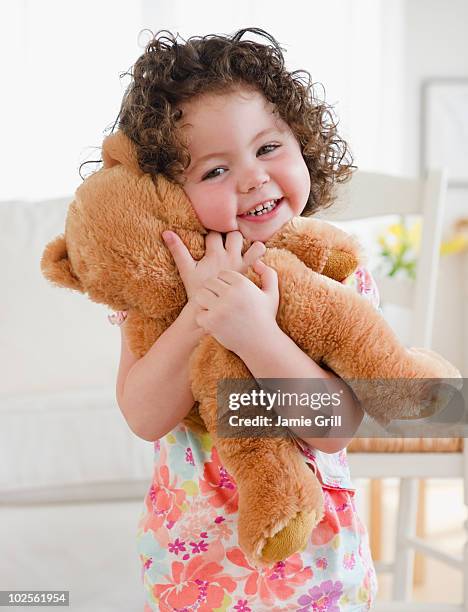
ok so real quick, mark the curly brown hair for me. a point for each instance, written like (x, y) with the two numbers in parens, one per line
(172, 70)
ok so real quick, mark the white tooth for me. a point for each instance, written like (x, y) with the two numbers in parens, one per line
(261, 209)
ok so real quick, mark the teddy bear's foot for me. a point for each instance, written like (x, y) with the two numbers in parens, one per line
(290, 539)
(277, 514)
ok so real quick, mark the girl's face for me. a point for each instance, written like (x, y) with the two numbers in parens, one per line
(243, 157)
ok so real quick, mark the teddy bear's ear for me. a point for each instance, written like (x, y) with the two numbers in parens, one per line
(56, 267)
(119, 149)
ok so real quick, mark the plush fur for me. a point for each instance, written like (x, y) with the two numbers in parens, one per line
(112, 250)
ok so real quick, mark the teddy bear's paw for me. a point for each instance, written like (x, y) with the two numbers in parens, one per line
(291, 538)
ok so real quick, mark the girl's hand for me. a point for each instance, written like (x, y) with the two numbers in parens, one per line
(217, 257)
(235, 311)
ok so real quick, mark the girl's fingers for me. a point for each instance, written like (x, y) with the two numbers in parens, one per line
(179, 252)
(213, 243)
(268, 277)
(256, 250)
(234, 242)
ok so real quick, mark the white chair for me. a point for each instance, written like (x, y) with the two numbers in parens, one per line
(370, 195)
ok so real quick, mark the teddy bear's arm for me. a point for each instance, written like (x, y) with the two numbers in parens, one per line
(321, 246)
(336, 326)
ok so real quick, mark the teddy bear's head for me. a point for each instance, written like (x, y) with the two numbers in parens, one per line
(112, 247)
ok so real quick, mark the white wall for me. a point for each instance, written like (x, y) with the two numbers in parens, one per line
(60, 88)
(437, 46)
(353, 47)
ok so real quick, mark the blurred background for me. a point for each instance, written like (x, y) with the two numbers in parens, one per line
(396, 72)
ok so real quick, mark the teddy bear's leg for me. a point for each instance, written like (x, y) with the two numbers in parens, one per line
(277, 510)
(280, 499)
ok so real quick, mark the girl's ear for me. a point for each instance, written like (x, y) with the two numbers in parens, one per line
(56, 267)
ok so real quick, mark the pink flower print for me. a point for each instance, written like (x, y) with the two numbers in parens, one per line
(198, 515)
(200, 583)
(367, 286)
(148, 563)
(342, 458)
(221, 530)
(242, 606)
(218, 485)
(278, 571)
(189, 456)
(118, 317)
(176, 547)
(251, 603)
(332, 520)
(164, 501)
(272, 583)
(321, 563)
(322, 598)
(199, 547)
(349, 561)
(343, 507)
(157, 445)
(369, 585)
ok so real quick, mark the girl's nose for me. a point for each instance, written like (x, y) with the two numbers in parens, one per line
(252, 182)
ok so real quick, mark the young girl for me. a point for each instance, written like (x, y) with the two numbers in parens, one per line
(252, 148)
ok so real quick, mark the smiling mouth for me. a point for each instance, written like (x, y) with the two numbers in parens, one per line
(262, 209)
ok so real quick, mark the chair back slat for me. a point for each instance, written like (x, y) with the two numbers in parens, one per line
(369, 195)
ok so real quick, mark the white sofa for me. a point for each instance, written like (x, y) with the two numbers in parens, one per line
(62, 436)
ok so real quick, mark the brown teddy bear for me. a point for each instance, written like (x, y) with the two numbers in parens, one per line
(112, 250)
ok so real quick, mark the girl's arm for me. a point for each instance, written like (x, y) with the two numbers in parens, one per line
(275, 355)
(153, 392)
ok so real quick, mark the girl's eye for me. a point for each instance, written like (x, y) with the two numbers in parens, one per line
(268, 148)
(213, 173)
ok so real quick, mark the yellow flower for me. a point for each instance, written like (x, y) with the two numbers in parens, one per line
(414, 234)
(396, 229)
(456, 244)
(381, 240)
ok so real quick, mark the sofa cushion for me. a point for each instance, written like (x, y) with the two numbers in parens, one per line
(52, 339)
(64, 442)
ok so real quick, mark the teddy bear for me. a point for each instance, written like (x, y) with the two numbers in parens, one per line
(113, 251)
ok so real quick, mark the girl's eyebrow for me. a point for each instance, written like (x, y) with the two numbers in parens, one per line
(224, 153)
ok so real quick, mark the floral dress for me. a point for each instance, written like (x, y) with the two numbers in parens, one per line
(187, 534)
